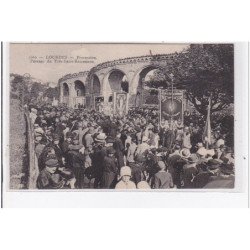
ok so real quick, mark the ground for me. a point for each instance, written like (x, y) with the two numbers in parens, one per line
(18, 146)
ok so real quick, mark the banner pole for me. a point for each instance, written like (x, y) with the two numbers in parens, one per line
(159, 93)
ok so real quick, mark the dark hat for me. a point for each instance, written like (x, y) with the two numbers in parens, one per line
(69, 135)
(109, 139)
(193, 158)
(140, 158)
(138, 129)
(213, 164)
(133, 137)
(227, 169)
(52, 162)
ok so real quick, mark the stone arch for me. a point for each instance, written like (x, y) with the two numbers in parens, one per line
(116, 81)
(96, 85)
(79, 88)
(65, 89)
(137, 84)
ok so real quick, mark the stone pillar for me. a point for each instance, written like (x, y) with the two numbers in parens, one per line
(72, 94)
(60, 93)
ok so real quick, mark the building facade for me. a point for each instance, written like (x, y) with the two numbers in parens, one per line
(102, 81)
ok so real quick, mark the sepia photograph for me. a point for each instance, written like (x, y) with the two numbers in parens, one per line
(121, 116)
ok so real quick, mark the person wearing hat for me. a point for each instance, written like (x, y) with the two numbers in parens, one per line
(110, 169)
(57, 151)
(48, 178)
(119, 148)
(143, 147)
(98, 154)
(33, 115)
(190, 171)
(131, 150)
(223, 179)
(88, 138)
(75, 159)
(162, 179)
(125, 182)
(186, 142)
(40, 143)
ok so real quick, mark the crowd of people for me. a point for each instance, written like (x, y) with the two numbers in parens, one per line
(79, 148)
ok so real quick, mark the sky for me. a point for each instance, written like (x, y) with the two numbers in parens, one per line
(32, 58)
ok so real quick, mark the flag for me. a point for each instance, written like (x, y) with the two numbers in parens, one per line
(207, 129)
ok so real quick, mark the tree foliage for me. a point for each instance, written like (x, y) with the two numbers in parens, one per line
(204, 71)
(28, 90)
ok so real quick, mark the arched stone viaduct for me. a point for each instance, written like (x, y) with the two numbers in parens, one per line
(115, 76)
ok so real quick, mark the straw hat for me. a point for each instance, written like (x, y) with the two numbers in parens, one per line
(185, 153)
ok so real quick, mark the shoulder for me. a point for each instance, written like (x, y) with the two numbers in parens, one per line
(120, 185)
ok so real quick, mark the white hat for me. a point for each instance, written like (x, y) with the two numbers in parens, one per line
(144, 138)
(34, 110)
(101, 137)
(143, 185)
(185, 153)
(125, 171)
(211, 152)
(202, 151)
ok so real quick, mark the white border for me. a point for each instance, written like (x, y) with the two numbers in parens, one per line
(194, 198)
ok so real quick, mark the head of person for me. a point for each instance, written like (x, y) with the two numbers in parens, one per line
(69, 139)
(38, 138)
(133, 138)
(125, 174)
(51, 165)
(161, 165)
(110, 152)
(185, 153)
(118, 134)
(56, 139)
(202, 152)
(193, 158)
(100, 138)
(144, 139)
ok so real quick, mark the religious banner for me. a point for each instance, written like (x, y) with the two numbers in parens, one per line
(99, 103)
(120, 104)
(171, 105)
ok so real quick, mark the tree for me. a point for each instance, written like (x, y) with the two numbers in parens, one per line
(51, 93)
(204, 71)
(19, 89)
(36, 89)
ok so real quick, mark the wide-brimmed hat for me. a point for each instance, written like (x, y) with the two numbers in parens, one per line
(110, 139)
(101, 137)
(213, 164)
(125, 171)
(227, 169)
(202, 151)
(52, 162)
(193, 158)
(185, 153)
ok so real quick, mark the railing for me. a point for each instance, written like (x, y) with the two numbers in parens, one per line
(33, 170)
